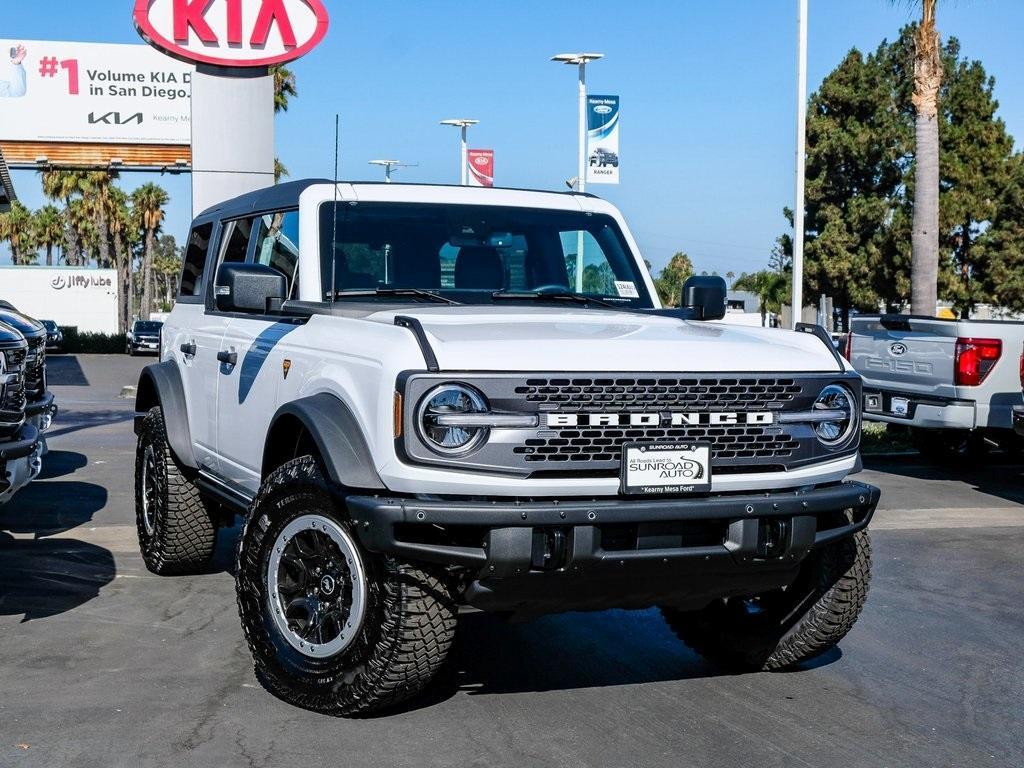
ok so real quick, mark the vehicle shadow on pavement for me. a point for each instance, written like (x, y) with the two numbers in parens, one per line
(563, 652)
(76, 421)
(61, 463)
(65, 371)
(42, 577)
(1000, 474)
(46, 577)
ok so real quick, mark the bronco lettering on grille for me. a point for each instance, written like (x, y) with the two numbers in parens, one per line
(716, 418)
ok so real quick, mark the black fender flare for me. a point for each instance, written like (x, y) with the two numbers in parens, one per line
(335, 432)
(160, 384)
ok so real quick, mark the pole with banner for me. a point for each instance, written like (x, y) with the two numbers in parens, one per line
(603, 139)
(481, 167)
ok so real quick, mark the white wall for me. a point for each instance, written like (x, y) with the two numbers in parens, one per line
(86, 298)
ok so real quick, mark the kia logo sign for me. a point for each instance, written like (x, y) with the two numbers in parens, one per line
(233, 33)
(482, 160)
(602, 109)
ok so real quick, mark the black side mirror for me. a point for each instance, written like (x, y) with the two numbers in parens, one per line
(705, 295)
(248, 287)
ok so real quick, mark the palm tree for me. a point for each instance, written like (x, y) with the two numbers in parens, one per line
(96, 192)
(64, 186)
(122, 235)
(48, 226)
(924, 266)
(16, 229)
(84, 225)
(769, 286)
(284, 87)
(148, 203)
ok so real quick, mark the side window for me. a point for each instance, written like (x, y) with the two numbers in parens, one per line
(236, 241)
(195, 260)
(277, 245)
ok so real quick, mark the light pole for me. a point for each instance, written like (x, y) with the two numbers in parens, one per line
(801, 139)
(388, 165)
(580, 60)
(463, 123)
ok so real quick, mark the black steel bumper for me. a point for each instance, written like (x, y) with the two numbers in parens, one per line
(21, 445)
(570, 554)
(1018, 419)
(45, 404)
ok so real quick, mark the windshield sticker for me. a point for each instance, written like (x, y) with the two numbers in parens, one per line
(626, 289)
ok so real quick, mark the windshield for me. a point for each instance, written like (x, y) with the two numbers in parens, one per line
(148, 327)
(50, 325)
(470, 253)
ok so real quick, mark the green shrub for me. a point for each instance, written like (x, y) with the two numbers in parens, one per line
(87, 343)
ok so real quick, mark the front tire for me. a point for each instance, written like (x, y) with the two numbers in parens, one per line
(333, 628)
(784, 627)
(177, 530)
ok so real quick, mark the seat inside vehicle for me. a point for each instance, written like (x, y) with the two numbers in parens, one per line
(479, 268)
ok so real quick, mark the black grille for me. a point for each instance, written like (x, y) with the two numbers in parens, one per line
(659, 394)
(35, 369)
(693, 394)
(605, 444)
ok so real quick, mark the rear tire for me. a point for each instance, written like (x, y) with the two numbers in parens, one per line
(784, 627)
(177, 528)
(373, 636)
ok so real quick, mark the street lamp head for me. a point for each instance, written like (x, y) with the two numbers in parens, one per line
(460, 122)
(385, 162)
(577, 58)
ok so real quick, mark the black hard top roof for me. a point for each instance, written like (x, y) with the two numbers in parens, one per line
(287, 195)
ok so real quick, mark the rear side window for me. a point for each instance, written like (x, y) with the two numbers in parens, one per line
(195, 260)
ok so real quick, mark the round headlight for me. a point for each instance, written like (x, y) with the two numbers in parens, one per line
(451, 400)
(838, 400)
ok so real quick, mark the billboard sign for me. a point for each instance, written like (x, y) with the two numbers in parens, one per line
(481, 167)
(603, 139)
(89, 92)
(233, 33)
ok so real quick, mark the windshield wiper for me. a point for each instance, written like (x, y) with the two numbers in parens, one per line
(558, 296)
(419, 293)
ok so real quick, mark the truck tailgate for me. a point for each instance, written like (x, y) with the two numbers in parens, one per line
(908, 354)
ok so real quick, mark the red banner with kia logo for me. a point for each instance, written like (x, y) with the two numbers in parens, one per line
(481, 167)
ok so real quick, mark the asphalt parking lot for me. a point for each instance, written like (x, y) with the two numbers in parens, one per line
(104, 664)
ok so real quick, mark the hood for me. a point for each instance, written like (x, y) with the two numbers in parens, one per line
(557, 339)
(10, 337)
(28, 327)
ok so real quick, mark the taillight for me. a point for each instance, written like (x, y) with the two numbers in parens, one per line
(974, 359)
(848, 347)
(1021, 367)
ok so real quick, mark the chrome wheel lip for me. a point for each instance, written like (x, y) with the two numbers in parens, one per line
(356, 574)
(148, 513)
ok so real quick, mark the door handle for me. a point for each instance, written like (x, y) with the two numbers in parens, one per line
(228, 358)
(189, 350)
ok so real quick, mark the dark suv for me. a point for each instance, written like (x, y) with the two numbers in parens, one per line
(144, 337)
(20, 446)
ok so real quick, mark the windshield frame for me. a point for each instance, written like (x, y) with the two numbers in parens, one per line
(599, 224)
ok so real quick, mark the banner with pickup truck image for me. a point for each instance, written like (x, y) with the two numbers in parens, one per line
(603, 139)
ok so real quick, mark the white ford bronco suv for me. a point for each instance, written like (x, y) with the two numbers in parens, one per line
(428, 399)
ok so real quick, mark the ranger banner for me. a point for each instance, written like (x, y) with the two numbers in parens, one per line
(603, 139)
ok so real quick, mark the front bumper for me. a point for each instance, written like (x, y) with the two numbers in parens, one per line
(43, 408)
(543, 556)
(144, 345)
(922, 412)
(1018, 419)
(20, 461)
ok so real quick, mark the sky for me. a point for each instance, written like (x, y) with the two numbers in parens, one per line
(708, 98)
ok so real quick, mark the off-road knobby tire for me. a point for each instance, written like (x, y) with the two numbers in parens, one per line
(833, 585)
(185, 529)
(407, 628)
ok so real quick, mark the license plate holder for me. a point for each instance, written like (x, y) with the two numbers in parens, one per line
(666, 468)
(899, 406)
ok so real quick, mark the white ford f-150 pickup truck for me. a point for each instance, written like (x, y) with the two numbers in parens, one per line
(955, 383)
(429, 398)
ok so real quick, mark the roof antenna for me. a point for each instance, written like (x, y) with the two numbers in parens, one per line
(334, 227)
